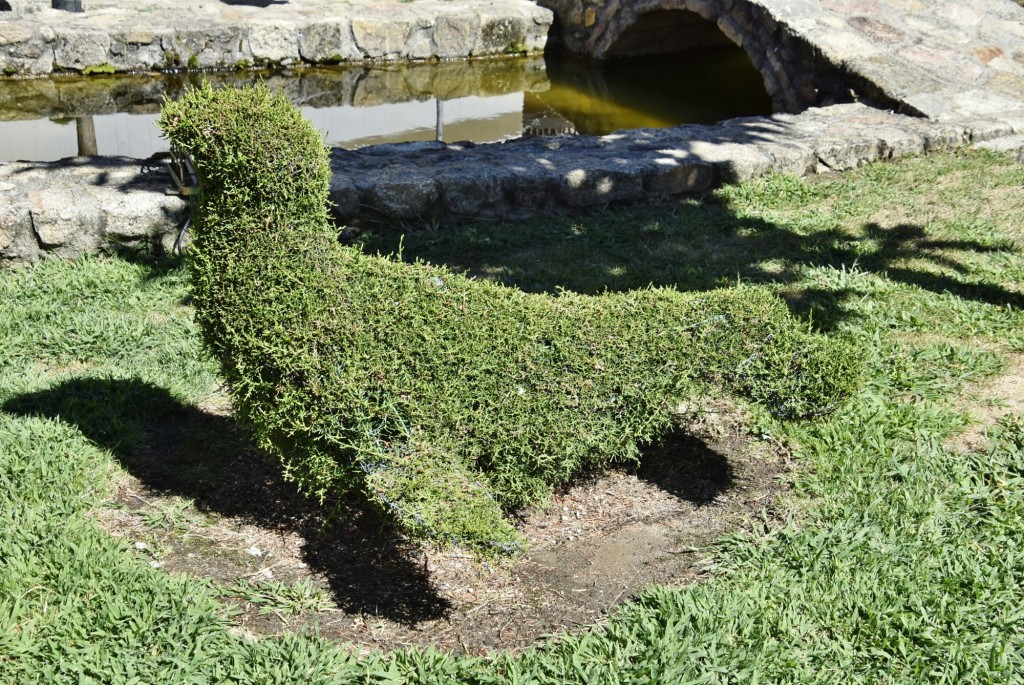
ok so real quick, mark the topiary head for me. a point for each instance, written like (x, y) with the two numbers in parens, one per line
(253, 152)
(259, 223)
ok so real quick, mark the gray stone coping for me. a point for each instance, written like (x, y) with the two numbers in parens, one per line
(438, 181)
(81, 205)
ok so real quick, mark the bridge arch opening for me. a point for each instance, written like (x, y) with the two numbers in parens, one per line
(679, 32)
(663, 32)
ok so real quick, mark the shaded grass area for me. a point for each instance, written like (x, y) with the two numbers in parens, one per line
(902, 561)
(933, 224)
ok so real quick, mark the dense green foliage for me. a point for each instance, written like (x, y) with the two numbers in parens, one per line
(443, 398)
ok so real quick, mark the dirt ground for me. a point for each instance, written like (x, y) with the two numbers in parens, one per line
(597, 545)
(989, 401)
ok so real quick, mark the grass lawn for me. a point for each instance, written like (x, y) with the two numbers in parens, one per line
(900, 558)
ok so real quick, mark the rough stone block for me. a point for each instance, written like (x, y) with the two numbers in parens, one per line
(380, 39)
(137, 37)
(81, 50)
(948, 137)
(344, 197)
(14, 220)
(141, 214)
(224, 47)
(741, 16)
(469, 189)
(841, 155)
(419, 41)
(795, 158)
(66, 222)
(533, 189)
(274, 43)
(24, 52)
(11, 33)
(328, 42)
(455, 35)
(404, 193)
(594, 183)
(18, 244)
(672, 178)
(985, 129)
(126, 55)
(731, 29)
(734, 162)
(896, 142)
(219, 46)
(538, 28)
(501, 34)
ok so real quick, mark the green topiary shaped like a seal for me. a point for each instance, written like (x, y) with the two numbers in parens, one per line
(443, 399)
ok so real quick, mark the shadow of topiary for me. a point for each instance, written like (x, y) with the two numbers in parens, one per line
(176, 449)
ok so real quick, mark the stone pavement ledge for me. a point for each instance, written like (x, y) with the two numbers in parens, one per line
(953, 72)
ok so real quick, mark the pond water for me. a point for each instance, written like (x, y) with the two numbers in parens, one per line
(479, 101)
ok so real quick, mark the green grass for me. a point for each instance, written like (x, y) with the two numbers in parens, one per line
(902, 558)
(274, 597)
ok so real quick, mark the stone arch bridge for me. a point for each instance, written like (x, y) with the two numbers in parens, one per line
(936, 58)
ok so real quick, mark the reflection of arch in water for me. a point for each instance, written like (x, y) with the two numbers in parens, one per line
(541, 120)
(693, 88)
(794, 74)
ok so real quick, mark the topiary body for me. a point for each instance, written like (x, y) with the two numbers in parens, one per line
(443, 399)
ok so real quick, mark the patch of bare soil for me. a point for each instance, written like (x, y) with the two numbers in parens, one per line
(596, 546)
(991, 400)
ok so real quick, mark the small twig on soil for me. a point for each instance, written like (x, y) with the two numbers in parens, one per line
(608, 608)
(505, 625)
(478, 607)
(262, 570)
(190, 534)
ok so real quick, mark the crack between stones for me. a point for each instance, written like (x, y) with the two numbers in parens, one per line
(35, 233)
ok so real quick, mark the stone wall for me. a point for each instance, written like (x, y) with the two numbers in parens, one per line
(91, 204)
(116, 37)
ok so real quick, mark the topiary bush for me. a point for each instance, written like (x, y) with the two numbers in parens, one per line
(445, 400)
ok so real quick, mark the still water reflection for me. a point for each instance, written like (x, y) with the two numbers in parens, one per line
(50, 119)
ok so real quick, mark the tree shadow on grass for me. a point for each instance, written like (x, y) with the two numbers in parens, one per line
(175, 449)
(699, 246)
